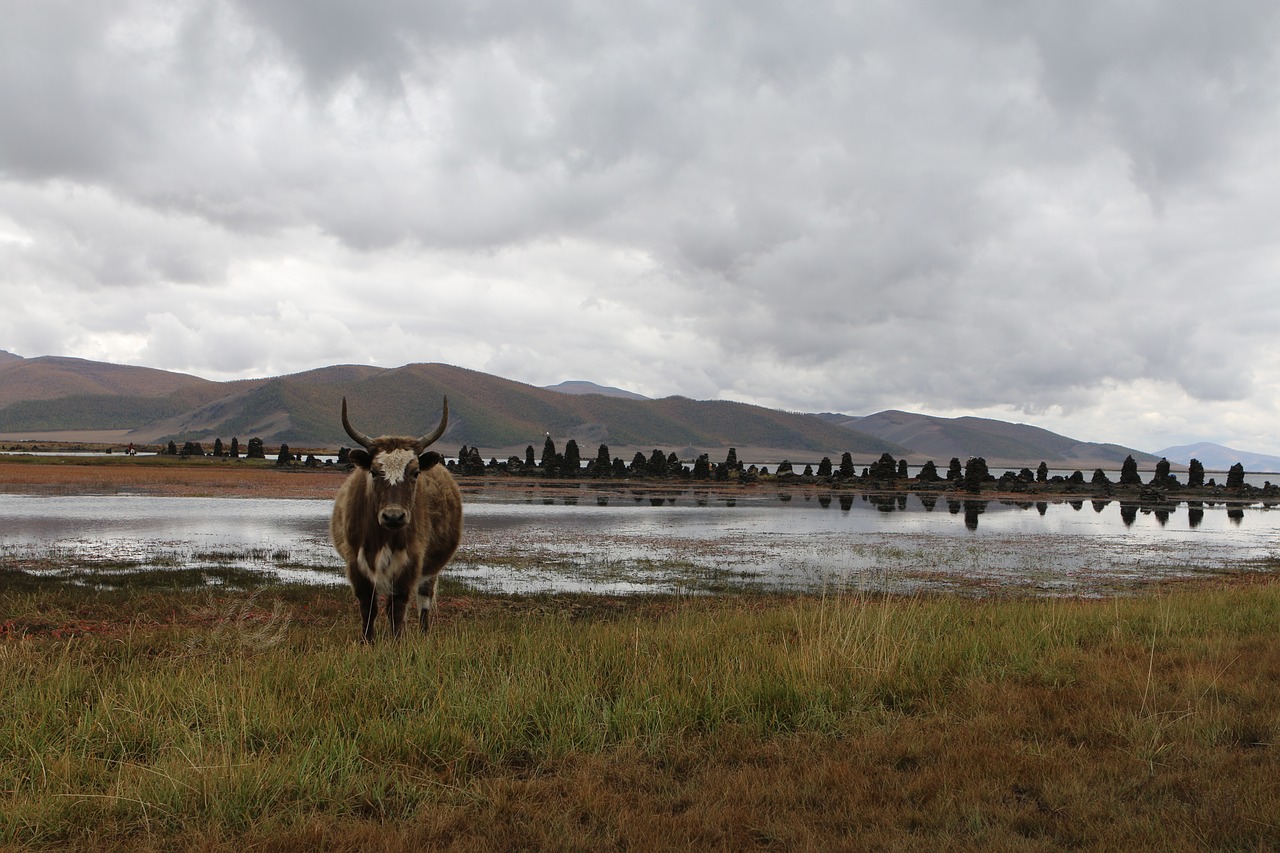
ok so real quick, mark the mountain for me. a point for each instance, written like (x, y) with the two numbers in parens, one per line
(52, 377)
(502, 417)
(999, 442)
(1215, 457)
(498, 415)
(578, 386)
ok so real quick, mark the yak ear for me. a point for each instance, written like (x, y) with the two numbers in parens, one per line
(361, 457)
(429, 460)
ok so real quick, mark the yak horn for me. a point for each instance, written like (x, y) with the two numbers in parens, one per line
(357, 436)
(424, 442)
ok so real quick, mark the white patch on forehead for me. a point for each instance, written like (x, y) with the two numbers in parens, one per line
(393, 463)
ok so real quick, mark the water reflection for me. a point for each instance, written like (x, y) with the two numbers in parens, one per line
(542, 540)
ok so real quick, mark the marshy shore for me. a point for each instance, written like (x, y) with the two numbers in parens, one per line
(160, 716)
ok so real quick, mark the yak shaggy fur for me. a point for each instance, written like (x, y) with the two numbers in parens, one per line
(397, 521)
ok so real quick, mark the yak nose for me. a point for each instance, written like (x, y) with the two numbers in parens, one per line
(393, 519)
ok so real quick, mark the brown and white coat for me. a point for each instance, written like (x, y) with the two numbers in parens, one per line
(397, 521)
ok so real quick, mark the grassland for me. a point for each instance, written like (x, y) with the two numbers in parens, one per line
(243, 716)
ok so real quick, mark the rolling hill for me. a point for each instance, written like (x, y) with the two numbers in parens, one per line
(53, 377)
(1215, 457)
(52, 396)
(1000, 442)
(498, 415)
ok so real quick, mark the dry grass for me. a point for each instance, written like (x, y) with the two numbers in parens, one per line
(166, 475)
(224, 720)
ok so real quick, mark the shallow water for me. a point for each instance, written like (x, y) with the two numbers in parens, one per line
(677, 541)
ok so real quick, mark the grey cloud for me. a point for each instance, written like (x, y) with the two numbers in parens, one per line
(964, 202)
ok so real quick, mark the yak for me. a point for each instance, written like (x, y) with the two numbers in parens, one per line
(397, 520)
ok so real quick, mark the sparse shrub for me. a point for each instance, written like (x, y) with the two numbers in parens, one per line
(702, 468)
(975, 472)
(846, 466)
(1129, 472)
(1235, 476)
(884, 468)
(572, 459)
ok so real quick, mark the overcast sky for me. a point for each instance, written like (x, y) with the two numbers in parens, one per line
(1066, 214)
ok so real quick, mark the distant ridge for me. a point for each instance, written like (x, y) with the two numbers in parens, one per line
(51, 377)
(47, 396)
(1000, 442)
(1215, 457)
(579, 386)
(499, 416)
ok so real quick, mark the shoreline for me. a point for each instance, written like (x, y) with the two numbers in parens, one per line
(222, 477)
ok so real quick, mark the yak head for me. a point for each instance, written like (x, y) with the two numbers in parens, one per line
(392, 465)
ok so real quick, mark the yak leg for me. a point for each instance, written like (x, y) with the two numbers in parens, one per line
(368, 598)
(426, 599)
(398, 602)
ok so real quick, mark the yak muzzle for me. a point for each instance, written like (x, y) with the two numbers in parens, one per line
(393, 518)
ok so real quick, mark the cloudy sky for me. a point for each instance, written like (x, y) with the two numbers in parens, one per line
(1058, 213)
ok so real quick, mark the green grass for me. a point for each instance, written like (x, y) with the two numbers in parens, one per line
(222, 718)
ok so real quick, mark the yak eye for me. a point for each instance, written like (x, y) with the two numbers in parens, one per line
(413, 475)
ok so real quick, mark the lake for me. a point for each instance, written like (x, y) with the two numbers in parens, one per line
(682, 541)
